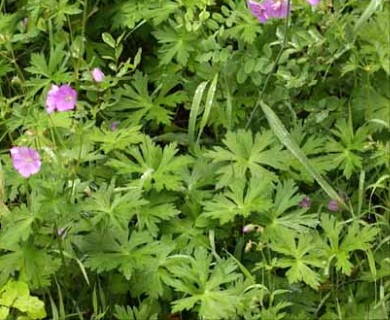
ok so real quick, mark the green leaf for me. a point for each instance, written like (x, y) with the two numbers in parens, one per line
(285, 138)
(4, 311)
(160, 207)
(15, 294)
(144, 311)
(126, 254)
(119, 139)
(372, 7)
(286, 213)
(240, 200)
(244, 153)
(208, 106)
(113, 209)
(148, 106)
(344, 150)
(16, 226)
(204, 284)
(341, 247)
(176, 44)
(39, 65)
(108, 39)
(301, 256)
(195, 110)
(155, 167)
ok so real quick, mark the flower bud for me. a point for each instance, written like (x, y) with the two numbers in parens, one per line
(97, 75)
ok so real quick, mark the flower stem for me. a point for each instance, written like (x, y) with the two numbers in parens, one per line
(284, 42)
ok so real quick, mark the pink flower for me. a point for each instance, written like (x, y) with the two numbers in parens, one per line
(276, 8)
(313, 2)
(61, 98)
(25, 160)
(97, 75)
(258, 10)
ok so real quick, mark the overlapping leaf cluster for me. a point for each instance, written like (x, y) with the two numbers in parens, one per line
(159, 198)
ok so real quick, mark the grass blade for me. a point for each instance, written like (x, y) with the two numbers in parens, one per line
(208, 106)
(370, 10)
(281, 132)
(195, 110)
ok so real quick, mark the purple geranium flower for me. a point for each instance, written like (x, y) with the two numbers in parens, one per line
(258, 10)
(25, 160)
(305, 202)
(276, 8)
(97, 75)
(61, 98)
(313, 2)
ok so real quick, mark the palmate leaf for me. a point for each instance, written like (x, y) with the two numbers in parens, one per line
(113, 209)
(159, 207)
(16, 226)
(119, 251)
(346, 146)
(176, 44)
(285, 213)
(301, 255)
(239, 22)
(150, 280)
(156, 167)
(128, 14)
(313, 147)
(205, 285)
(340, 247)
(139, 104)
(244, 154)
(119, 139)
(144, 311)
(34, 265)
(284, 137)
(240, 200)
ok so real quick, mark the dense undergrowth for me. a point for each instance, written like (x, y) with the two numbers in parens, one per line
(178, 159)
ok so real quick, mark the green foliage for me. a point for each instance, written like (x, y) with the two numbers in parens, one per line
(154, 166)
(247, 154)
(205, 288)
(284, 213)
(146, 106)
(301, 255)
(240, 200)
(16, 295)
(194, 180)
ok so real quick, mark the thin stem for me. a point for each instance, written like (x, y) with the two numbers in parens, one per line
(83, 40)
(284, 42)
(54, 129)
(14, 62)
